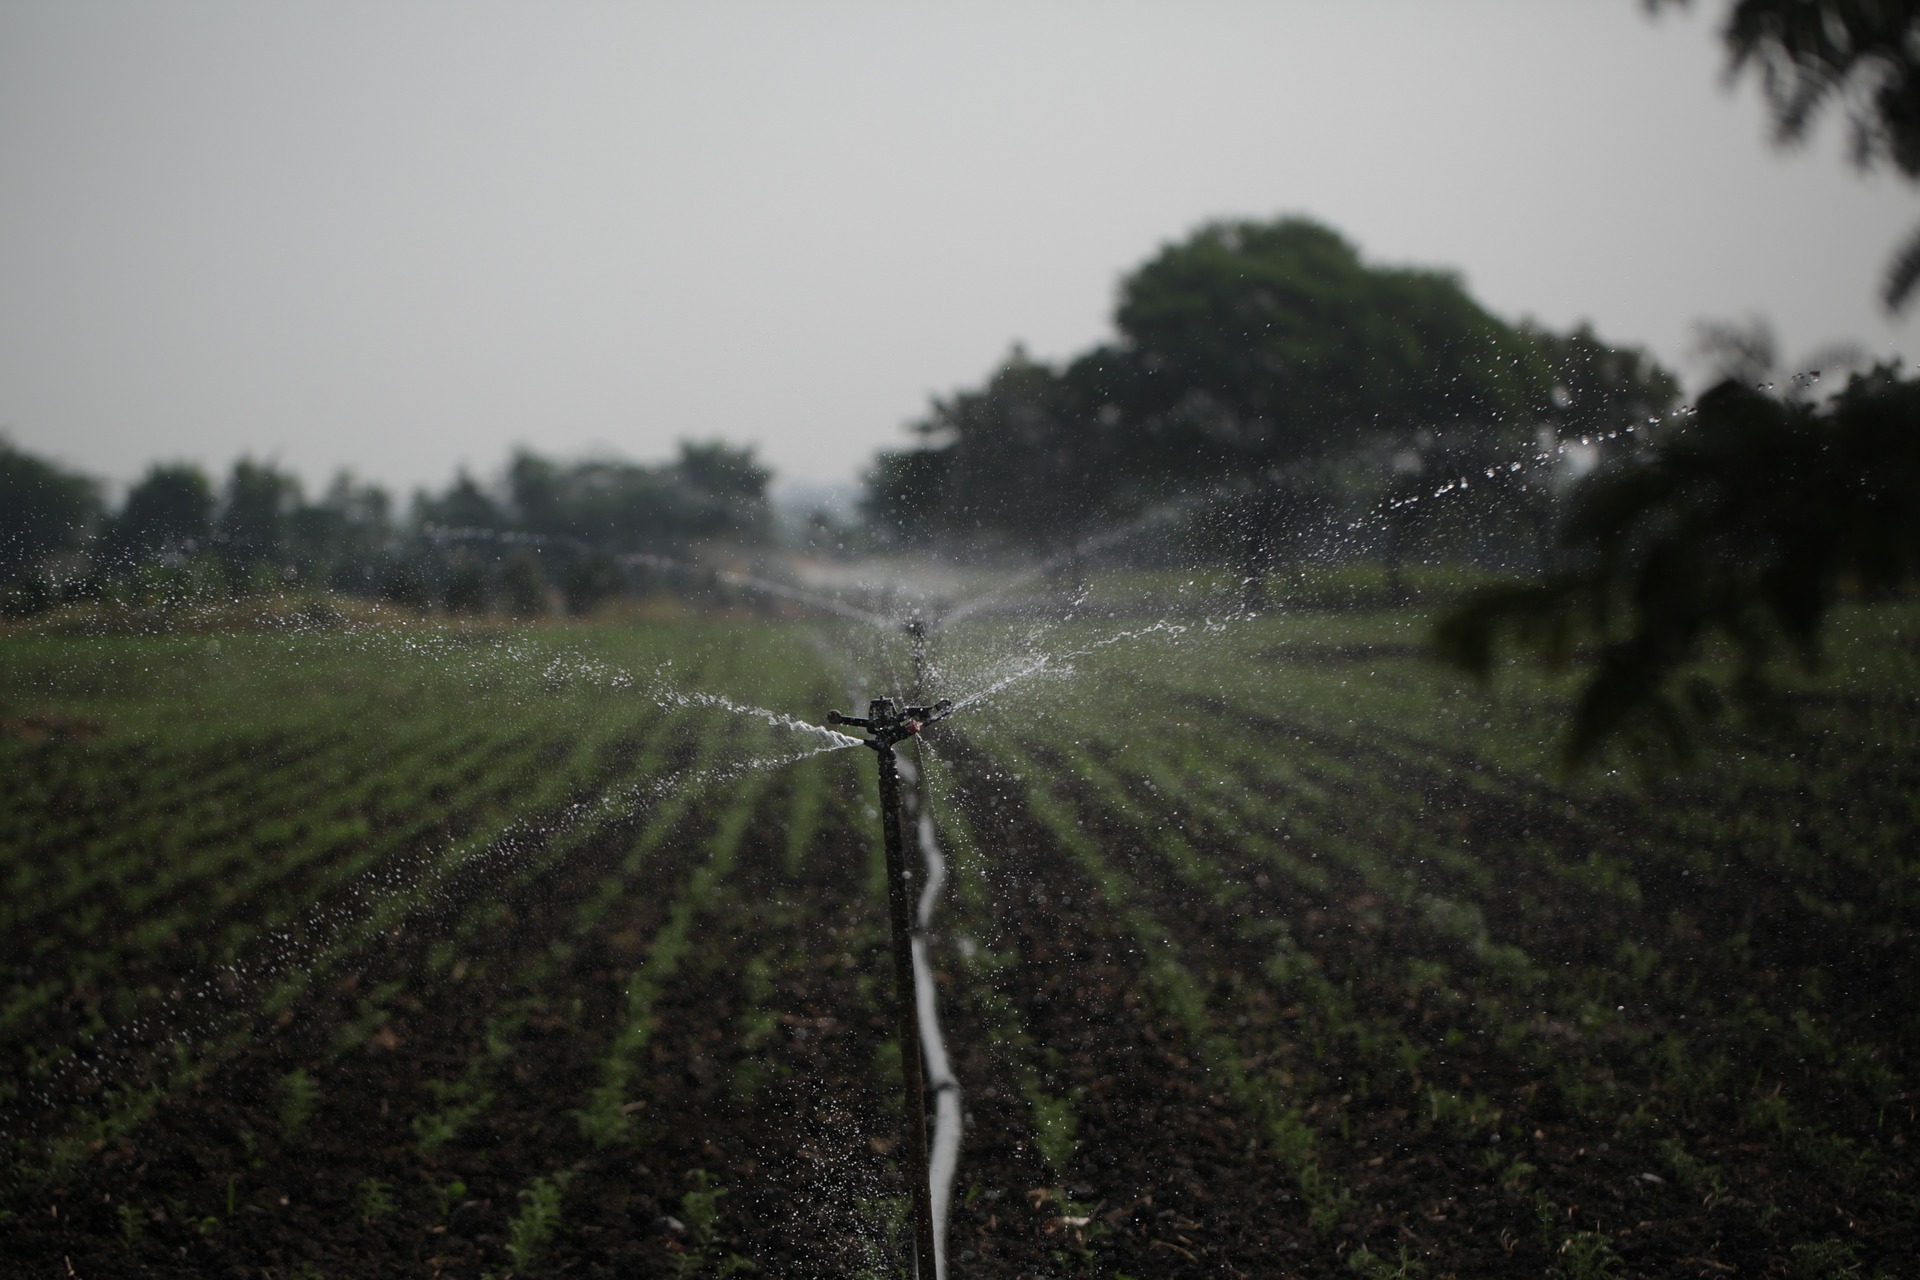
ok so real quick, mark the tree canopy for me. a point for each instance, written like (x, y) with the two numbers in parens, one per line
(42, 510)
(712, 490)
(1244, 354)
(169, 510)
(1268, 343)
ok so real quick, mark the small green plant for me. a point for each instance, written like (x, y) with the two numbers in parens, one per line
(1830, 1259)
(886, 1065)
(299, 1099)
(133, 1225)
(1449, 1110)
(888, 1239)
(700, 1210)
(1546, 1217)
(459, 1103)
(1364, 1262)
(1055, 1129)
(451, 1197)
(607, 1119)
(1292, 1140)
(373, 1198)
(535, 1224)
(1690, 1171)
(1585, 1255)
(1080, 1231)
(1510, 1170)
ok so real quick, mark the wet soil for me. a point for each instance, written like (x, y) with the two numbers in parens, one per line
(767, 1080)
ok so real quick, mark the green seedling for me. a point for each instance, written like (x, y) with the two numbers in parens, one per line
(1830, 1259)
(1691, 1172)
(535, 1224)
(459, 1103)
(299, 1099)
(1461, 1115)
(1365, 1262)
(1585, 1255)
(452, 1196)
(888, 1239)
(1546, 1218)
(700, 1211)
(133, 1225)
(1080, 1231)
(1055, 1129)
(373, 1198)
(605, 1121)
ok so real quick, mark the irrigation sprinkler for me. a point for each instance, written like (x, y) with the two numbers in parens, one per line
(886, 725)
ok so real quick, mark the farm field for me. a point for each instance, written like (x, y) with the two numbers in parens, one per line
(1268, 948)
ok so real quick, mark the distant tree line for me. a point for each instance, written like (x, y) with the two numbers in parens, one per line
(548, 533)
(1269, 369)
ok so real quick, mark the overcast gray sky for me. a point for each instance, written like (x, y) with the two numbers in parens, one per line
(404, 237)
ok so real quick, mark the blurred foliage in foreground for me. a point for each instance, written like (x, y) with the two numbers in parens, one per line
(1739, 525)
(1862, 55)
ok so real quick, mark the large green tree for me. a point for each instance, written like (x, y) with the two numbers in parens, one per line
(253, 524)
(1265, 344)
(169, 510)
(1248, 356)
(43, 509)
(1028, 456)
(711, 490)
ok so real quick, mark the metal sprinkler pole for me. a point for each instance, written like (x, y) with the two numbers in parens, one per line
(888, 725)
(918, 632)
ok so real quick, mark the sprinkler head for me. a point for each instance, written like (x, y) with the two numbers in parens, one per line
(889, 726)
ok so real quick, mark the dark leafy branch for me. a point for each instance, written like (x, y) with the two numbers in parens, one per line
(1862, 56)
(1692, 568)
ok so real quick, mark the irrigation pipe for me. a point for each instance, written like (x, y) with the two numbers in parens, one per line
(943, 1161)
(888, 724)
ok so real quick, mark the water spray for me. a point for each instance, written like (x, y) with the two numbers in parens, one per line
(886, 725)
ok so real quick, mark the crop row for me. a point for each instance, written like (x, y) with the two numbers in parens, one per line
(1520, 925)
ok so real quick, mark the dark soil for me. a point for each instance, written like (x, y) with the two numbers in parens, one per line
(779, 1094)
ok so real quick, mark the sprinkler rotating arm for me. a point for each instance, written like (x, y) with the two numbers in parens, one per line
(889, 725)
